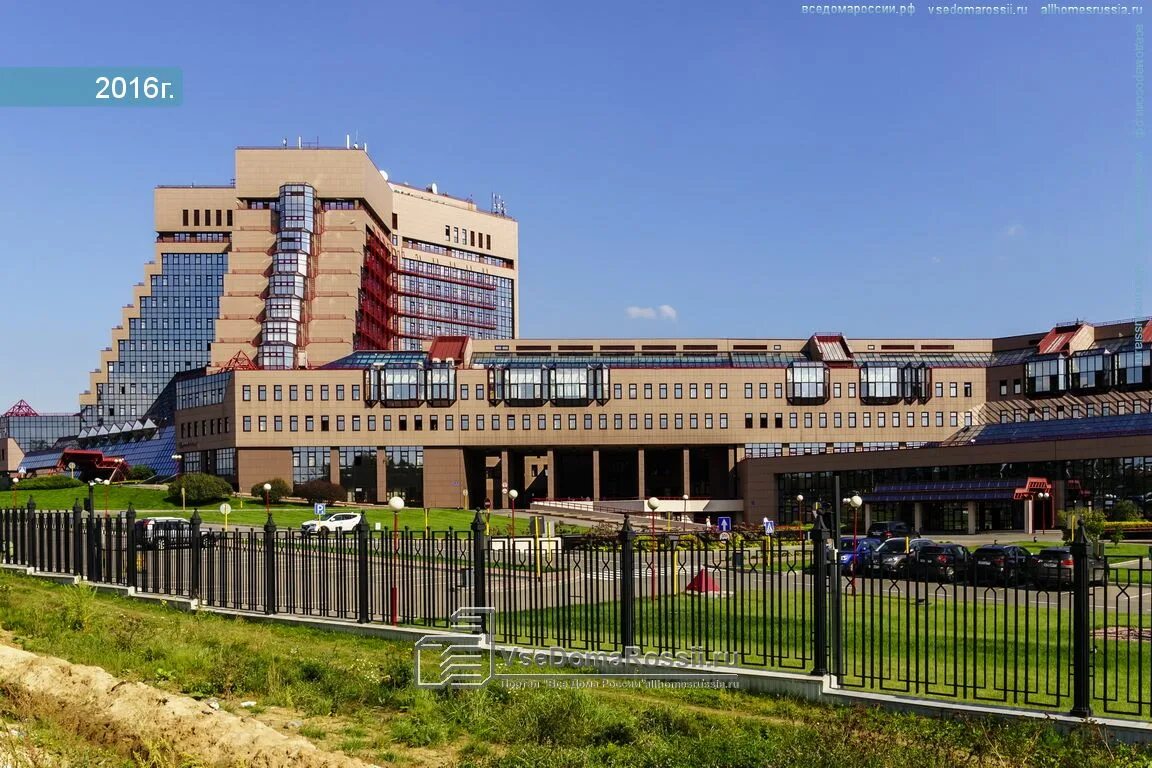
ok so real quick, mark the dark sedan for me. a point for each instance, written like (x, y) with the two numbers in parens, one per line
(999, 564)
(891, 559)
(942, 562)
(1053, 567)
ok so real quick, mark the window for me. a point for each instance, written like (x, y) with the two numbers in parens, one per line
(511, 421)
(1003, 387)
(967, 418)
(479, 391)
(339, 391)
(1047, 376)
(246, 392)
(678, 391)
(463, 423)
(247, 424)
(495, 421)
(867, 415)
(663, 421)
(293, 392)
(309, 423)
(293, 423)
(748, 391)
(707, 421)
(792, 421)
(355, 391)
(807, 421)
(693, 421)
(324, 424)
(277, 423)
(952, 389)
(647, 391)
(340, 423)
(277, 393)
(748, 421)
(777, 420)
(678, 421)
(939, 389)
(618, 421)
(939, 418)
(953, 419)
(542, 422)
(967, 389)
(836, 389)
(879, 420)
(480, 422)
(262, 424)
(764, 390)
(723, 421)
(851, 389)
(556, 422)
(356, 423)
(587, 421)
(896, 419)
(807, 384)
(464, 392)
(372, 423)
(308, 391)
(603, 421)
(633, 421)
(448, 422)
(707, 391)
(1016, 386)
(323, 391)
(851, 419)
(663, 391)
(880, 384)
(647, 421)
(693, 392)
(723, 391)
(387, 423)
(527, 422)
(837, 420)
(924, 418)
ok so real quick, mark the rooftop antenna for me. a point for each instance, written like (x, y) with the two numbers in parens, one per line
(498, 206)
(299, 142)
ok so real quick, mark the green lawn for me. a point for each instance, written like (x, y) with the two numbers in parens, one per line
(1123, 549)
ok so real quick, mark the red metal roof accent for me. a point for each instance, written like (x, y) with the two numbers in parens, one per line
(240, 362)
(445, 347)
(96, 460)
(1032, 486)
(833, 347)
(1147, 335)
(21, 409)
(1057, 339)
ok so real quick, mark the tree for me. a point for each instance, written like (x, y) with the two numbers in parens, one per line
(1125, 511)
(280, 489)
(199, 489)
(317, 491)
(141, 472)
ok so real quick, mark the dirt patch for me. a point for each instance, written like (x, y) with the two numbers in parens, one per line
(1125, 633)
(143, 720)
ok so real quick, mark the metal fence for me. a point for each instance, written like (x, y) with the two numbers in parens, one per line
(1079, 642)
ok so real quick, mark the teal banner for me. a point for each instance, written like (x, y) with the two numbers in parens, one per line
(91, 87)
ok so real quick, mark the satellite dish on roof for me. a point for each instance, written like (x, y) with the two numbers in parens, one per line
(433, 189)
(384, 174)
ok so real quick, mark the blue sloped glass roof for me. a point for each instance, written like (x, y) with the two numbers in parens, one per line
(369, 358)
(38, 460)
(707, 360)
(155, 452)
(1063, 429)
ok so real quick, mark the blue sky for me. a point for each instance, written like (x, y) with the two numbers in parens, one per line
(760, 171)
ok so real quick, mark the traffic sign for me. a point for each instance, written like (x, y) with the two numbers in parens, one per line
(225, 509)
(769, 527)
(724, 523)
(724, 535)
(319, 509)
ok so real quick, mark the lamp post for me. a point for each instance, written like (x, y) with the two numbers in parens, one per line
(1044, 496)
(855, 502)
(92, 496)
(107, 487)
(512, 494)
(683, 516)
(15, 480)
(268, 499)
(397, 504)
(653, 504)
(179, 459)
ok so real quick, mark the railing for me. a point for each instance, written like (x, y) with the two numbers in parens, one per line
(1071, 637)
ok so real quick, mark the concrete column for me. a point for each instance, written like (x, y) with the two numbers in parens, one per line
(640, 473)
(733, 483)
(595, 474)
(499, 498)
(551, 473)
(1028, 512)
(334, 465)
(867, 516)
(918, 516)
(381, 476)
(687, 470)
(971, 517)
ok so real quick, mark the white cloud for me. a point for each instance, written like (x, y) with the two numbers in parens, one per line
(1014, 231)
(663, 312)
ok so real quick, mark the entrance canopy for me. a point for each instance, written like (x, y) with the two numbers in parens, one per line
(962, 490)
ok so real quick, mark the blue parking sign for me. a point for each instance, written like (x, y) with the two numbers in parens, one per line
(769, 527)
(724, 524)
(319, 508)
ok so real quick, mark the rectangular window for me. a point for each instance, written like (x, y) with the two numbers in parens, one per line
(896, 419)
(372, 423)
(340, 423)
(851, 419)
(293, 392)
(953, 419)
(836, 389)
(262, 424)
(463, 423)
(356, 423)
(663, 391)
(952, 389)
(924, 418)
(707, 421)
(967, 389)
(851, 389)
(480, 422)
(693, 392)
(723, 421)
(678, 421)
(277, 423)
(387, 424)
(246, 392)
(763, 390)
(355, 391)
(324, 423)
(1003, 387)
(323, 391)
(939, 389)
(663, 421)
(308, 391)
(880, 420)
(778, 390)
(464, 389)
(748, 391)
(939, 418)
(542, 422)
(293, 423)
(967, 418)
(837, 420)
(603, 421)
(557, 423)
(707, 391)
(792, 420)
(339, 391)
(631, 391)
(1015, 386)
(647, 391)
(618, 421)
(448, 422)
(723, 391)
(277, 392)
(777, 421)
(247, 423)
(678, 391)
(479, 391)
(495, 422)
(309, 423)
(527, 422)
(647, 421)
(748, 421)
(587, 421)
(867, 419)
(632, 421)
(511, 421)
(807, 421)
(823, 421)
(693, 421)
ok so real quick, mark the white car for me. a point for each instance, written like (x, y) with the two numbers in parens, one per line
(340, 522)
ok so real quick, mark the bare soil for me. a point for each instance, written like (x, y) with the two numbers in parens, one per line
(143, 721)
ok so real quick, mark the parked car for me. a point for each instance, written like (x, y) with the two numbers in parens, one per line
(164, 533)
(1053, 567)
(890, 530)
(891, 559)
(857, 555)
(339, 522)
(942, 562)
(1000, 564)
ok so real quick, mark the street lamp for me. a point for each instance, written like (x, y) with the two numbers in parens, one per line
(92, 496)
(1044, 496)
(397, 504)
(684, 516)
(268, 499)
(107, 486)
(15, 480)
(179, 459)
(512, 494)
(653, 504)
(855, 502)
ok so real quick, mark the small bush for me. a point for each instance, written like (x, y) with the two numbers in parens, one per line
(199, 489)
(141, 472)
(320, 491)
(1124, 511)
(280, 490)
(48, 483)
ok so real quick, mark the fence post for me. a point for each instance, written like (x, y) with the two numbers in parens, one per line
(1081, 629)
(627, 586)
(77, 538)
(362, 613)
(820, 597)
(196, 549)
(270, 565)
(90, 545)
(130, 544)
(479, 570)
(32, 529)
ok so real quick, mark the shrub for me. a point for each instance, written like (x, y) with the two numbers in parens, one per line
(141, 472)
(199, 489)
(1124, 511)
(48, 483)
(320, 491)
(280, 490)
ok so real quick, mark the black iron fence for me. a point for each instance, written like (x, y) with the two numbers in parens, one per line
(1077, 637)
